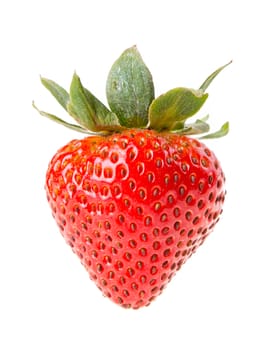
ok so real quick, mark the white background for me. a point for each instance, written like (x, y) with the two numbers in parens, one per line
(219, 300)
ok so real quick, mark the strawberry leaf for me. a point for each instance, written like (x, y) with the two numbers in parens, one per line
(198, 127)
(223, 131)
(87, 110)
(211, 77)
(61, 121)
(130, 89)
(104, 116)
(57, 91)
(79, 107)
(170, 110)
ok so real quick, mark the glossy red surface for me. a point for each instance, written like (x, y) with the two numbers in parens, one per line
(134, 207)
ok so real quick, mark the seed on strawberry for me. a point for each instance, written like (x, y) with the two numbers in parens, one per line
(136, 197)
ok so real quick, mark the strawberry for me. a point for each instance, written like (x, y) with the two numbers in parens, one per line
(136, 197)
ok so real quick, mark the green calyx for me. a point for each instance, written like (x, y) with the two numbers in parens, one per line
(132, 104)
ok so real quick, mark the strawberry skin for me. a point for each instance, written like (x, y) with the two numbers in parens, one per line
(134, 206)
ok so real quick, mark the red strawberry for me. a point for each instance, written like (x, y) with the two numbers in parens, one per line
(137, 199)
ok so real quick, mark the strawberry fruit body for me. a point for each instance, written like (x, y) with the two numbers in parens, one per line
(134, 207)
(134, 203)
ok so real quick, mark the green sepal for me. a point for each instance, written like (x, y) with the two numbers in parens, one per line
(130, 89)
(130, 94)
(60, 121)
(170, 110)
(223, 131)
(211, 77)
(198, 127)
(87, 110)
(104, 116)
(79, 107)
(57, 91)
